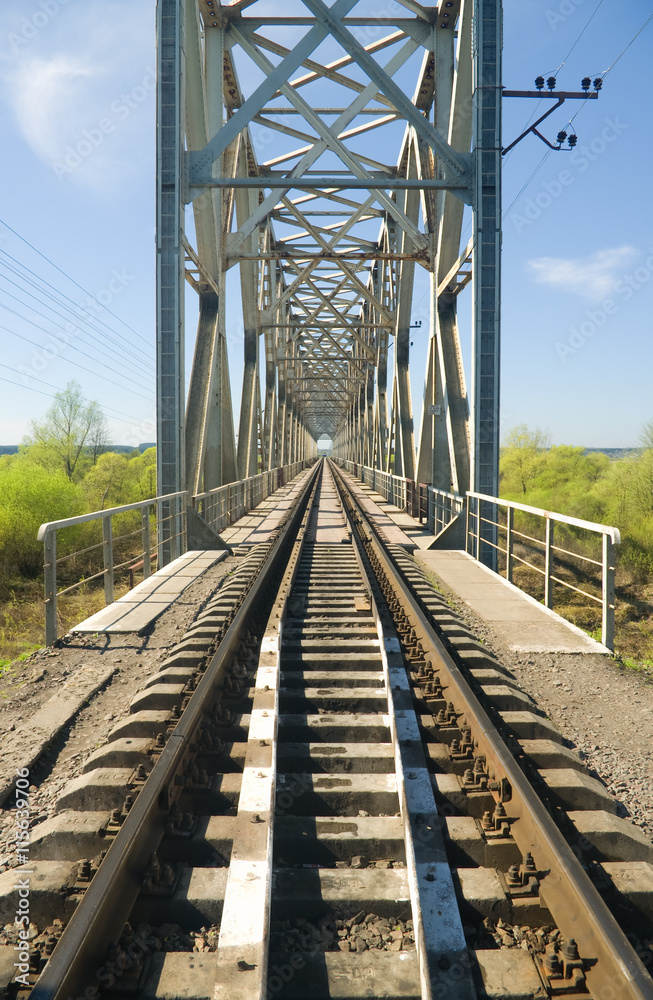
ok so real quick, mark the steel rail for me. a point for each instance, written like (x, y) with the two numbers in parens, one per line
(439, 937)
(245, 920)
(566, 890)
(107, 903)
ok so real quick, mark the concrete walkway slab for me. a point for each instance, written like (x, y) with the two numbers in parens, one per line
(417, 533)
(145, 602)
(258, 524)
(520, 622)
(375, 508)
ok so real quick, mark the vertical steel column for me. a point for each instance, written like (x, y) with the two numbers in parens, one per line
(487, 42)
(170, 262)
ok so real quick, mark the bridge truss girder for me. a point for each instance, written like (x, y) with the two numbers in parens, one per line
(285, 153)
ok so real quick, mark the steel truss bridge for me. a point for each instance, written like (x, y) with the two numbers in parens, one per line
(328, 154)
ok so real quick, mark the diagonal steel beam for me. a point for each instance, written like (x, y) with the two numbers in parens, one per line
(456, 164)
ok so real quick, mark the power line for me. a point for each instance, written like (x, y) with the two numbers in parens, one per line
(526, 183)
(128, 420)
(75, 304)
(584, 104)
(72, 346)
(60, 327)
(587, 24)
(623, 51)
(82, 324)
(61, 271)
(71, 362)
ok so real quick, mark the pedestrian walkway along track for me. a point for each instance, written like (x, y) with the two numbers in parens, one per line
(325, 793)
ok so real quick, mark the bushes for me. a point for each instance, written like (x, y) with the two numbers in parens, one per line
(29, 496)
(566, 480)
(33, 491)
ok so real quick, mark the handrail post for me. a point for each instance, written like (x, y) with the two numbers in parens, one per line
(107, 552)
(467, 523)
(50, 585)
(607, 623)
(509, 522)
(478, 529)
(548, 589)
(159, 534)
(183, 503)
(147, 542)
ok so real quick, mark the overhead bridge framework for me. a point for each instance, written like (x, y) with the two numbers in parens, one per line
(328, 153)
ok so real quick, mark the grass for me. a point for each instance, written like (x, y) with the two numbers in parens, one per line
(22, 617)
(642, 666)
(633, 615)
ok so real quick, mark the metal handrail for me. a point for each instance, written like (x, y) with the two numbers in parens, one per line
(576, 522)
(610, 536)
(68, 522)
(223, 505)
(48, 535)
(240, 497)
(443, 507)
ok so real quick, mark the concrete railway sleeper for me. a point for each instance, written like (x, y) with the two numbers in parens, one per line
(496, 740)
(327, 791)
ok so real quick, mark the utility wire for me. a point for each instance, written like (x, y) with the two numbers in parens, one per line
(60, 327)
(526, 183)
(584, 103)
(75, 363)
(128, 419)
(80, 322)
(555, 73)
(72, 346)
(623, 51)
(61, 271)
(58, 292)
(587, 24)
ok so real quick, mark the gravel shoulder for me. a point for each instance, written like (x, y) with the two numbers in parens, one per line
(603, 710)
(31, 683)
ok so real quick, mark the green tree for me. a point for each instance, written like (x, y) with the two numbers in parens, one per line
(646, 436)
(73, 429)
(523, 458)
(145, 467)
(110, 482)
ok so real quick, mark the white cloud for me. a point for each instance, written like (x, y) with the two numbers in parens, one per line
(47, 97)
(594, 277)
(81, 88)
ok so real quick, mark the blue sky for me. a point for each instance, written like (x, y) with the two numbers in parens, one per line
(77, 176)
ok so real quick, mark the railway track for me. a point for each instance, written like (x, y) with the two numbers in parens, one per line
(330, 789)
